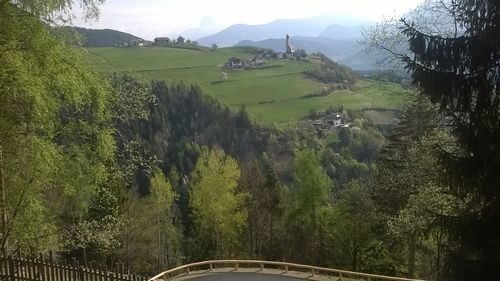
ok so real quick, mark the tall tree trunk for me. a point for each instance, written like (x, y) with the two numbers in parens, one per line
(3, 207)
(167, 248)
(270, 254)
(412, 249)
(158, 228)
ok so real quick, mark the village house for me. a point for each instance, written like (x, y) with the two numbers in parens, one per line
(235, 63)
(329, 122)
(258, 60)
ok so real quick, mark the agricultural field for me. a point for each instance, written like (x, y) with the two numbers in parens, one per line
(271, 95)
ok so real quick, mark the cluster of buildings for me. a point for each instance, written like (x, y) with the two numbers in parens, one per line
(328, 122)
(135, 43)
(260, 59)
(158, 41)
(236, 63)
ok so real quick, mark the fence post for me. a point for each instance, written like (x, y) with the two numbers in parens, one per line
(286, 268)
(340, 276)
(210, 266)
(187, 270)
(81, 274)
(41, 268)
(261, 266)
(19, 270)
(122, 271)
(106, 273)
(237, 266)
(92, 272)
(312, 271)
(12, 269)
(61, 271)
(101, 273)
(52, 276)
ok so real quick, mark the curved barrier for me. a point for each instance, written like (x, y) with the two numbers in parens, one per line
(261, 265)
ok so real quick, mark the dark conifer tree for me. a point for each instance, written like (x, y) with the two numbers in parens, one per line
(462, 75)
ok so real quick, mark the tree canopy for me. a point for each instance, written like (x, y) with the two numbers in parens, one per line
(461, 74)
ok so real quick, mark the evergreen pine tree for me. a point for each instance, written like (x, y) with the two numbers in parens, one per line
(462, 75)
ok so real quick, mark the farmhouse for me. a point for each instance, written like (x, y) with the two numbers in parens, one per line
(328, 122)
(335, 120)
(235, 63)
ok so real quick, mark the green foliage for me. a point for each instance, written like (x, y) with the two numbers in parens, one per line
(160, 203)
(216, 206)
(309, 201)
(329, 71)
(353, 221)
(101, 38)
(410, 190)
(53, 124)
(460, 73)
(150, 240)
(56, 8)
(265, 210)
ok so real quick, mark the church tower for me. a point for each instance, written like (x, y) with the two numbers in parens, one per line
(289, 49)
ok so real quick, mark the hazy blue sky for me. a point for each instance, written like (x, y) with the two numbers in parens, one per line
(151, 18)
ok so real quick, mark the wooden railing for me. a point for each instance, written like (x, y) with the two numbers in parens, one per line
(261, 265)
(40, 268)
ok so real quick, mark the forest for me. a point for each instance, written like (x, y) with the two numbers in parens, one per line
(111, 169)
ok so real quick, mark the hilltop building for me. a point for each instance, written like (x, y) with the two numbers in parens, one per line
(289, 48)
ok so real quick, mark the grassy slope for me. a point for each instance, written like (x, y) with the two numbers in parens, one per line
(271, 94)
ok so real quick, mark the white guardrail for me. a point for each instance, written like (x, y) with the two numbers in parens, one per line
(285, 266)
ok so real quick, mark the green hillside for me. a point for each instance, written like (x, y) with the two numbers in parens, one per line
(102, 37)
(270, 95)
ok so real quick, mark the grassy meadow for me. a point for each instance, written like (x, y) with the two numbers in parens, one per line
(271, 94)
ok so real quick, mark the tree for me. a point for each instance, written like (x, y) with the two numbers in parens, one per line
(53, 9)
(309, 200)
(214, 47)
(54, 129)
(410, 191)
(160, 203)
(460, 73)
(150, 241)
(352, 226)
(217, 208)
(386, 43)
(260, 181)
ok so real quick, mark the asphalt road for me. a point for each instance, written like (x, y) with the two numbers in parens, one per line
(233, 276)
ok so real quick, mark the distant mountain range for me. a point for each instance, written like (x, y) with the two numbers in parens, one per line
(104, 37)
(324, 26)
(318, 34)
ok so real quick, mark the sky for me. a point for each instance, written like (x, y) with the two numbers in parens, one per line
(196, 18)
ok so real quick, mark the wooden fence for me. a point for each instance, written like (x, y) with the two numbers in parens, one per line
(285, 267)
(39, 268)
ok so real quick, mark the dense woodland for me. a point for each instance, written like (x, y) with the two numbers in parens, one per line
(153, 175)
(329, 71)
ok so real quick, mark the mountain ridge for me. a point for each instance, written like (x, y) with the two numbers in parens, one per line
(310, 27)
